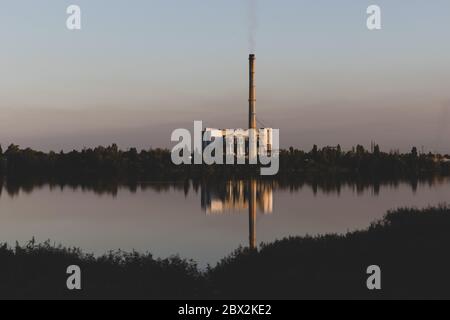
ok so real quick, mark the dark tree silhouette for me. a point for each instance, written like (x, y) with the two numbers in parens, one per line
(114, 164)
(410, 246)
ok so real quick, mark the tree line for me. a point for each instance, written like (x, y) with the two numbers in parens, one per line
(132, 165)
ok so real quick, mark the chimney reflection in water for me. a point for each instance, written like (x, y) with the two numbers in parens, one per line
(237, 197)
(252, 215)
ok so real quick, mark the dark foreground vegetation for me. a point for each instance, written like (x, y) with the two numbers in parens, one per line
(155, 164)
(411, 247)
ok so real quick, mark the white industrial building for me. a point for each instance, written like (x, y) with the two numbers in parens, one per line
(241, 137)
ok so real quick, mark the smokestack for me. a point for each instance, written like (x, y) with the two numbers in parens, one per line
(252, 95)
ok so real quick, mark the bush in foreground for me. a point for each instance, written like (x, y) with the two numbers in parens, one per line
(411, 247)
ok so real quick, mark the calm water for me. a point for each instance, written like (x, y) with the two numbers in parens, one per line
(204, 223)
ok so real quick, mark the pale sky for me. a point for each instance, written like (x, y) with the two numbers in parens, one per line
(139, 69)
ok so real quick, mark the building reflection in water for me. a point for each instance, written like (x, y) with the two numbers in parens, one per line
(237, 197)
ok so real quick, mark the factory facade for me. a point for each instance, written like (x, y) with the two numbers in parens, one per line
(240, 143)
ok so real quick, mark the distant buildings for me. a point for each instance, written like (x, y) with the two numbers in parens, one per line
(237, 141)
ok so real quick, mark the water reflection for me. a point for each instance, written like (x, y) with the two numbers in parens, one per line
(252, 214)
(237, 196)
(219, 196)
(200, 219)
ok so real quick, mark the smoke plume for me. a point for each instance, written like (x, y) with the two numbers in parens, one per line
(252, 21)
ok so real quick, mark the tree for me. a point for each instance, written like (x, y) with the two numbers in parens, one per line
(376, 151)
(12, 149)
(414, 153)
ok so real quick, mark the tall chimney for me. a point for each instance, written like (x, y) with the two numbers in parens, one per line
(252, 95)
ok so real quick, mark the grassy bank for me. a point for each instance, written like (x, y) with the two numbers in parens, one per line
(411, 247)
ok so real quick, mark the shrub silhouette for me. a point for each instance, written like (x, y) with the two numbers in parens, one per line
(411, 246)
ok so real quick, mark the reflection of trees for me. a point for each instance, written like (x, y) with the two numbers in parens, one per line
(360, 185)
(100, 187)
(104, 170)
(225, 195)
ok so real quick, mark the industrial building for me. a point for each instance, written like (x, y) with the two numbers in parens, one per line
(233, 138)
(246, 144)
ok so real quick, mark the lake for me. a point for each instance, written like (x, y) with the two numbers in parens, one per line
(204, 222)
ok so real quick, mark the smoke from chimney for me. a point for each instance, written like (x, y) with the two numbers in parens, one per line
(252, 21)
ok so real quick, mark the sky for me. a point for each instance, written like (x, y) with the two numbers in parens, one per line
(140, 69)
